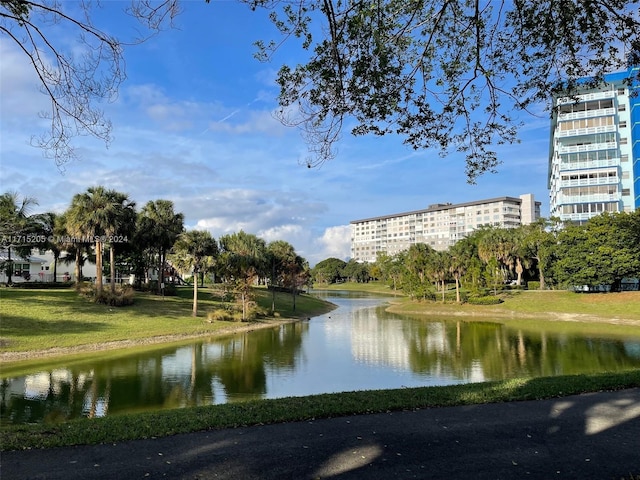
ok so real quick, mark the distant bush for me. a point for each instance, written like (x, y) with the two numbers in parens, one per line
(170, 290)
(121, 297)
(533, 285)
(486, 300)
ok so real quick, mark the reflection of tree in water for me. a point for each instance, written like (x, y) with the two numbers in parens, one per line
(242, 368)
(464, 349)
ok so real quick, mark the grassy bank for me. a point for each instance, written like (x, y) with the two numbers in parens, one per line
(605, 307)
(148, 425)
(58, 320)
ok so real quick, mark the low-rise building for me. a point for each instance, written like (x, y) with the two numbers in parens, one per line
(440, 225)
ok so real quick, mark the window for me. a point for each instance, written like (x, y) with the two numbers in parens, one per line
(626, 192)
(625, 175)
(623, 141)
(624, 158)
(622, 124)
(622, 107)
(621, 91)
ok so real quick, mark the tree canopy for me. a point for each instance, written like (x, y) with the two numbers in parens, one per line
(445, 74)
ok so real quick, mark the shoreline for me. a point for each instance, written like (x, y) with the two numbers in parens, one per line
(20, 356)
(512, 314)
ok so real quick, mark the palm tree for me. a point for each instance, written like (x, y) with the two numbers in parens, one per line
(192, 249)
(91, 215)
(160, 227)
(498, 244)
(15, 223)
(461, 255)
(120, 224)
(279, 255)
(244, 262)
(439, 268)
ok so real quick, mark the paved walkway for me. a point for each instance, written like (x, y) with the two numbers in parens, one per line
(591, 436)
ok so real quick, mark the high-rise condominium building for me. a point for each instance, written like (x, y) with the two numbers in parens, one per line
(594, 153)
(440, 226)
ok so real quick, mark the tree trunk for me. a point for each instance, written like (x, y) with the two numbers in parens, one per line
(78, 272)
(10, 268)
(294, 297)
(273, 299)
(542, 284)
(194, 313)
(98, 266)
(55, 267)
(457, 290)
(443, 292)
(244, 308)
(161, 271)
(112, 261)
(519, 270)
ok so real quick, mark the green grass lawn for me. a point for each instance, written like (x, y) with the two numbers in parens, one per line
(43, 319)
(625, 305)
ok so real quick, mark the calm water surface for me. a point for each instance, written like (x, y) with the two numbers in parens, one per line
(358, 346)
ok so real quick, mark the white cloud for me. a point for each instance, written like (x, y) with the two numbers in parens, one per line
(336, 242)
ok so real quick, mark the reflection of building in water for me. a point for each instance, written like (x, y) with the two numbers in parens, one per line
(422, 347)
(40, 385)
(378, 342)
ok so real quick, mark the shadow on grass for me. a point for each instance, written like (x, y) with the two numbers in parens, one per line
(21, 326)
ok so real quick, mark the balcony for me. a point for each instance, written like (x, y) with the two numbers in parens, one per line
(588, 96)
(585, 182)
(590, 164)
(602, 112)
(585, 131)
(591, 147)
(603, 197)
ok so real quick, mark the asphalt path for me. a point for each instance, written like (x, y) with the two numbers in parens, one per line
(590, 436)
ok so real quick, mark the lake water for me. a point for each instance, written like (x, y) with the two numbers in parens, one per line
(358, 346)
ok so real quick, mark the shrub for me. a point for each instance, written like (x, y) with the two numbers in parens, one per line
(486, 300)
(233, 313)
(533, 285)
(170, 290)
(224, 315)
(121, 297)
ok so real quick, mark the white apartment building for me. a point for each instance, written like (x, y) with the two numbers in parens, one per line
(594, 153)
(440, 226)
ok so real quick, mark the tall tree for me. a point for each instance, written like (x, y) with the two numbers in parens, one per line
(329, 270)
(461, 255)
(244, 258)
(538, 241)
(193, 247)
(91, 215)
(417, 261)
(280, 255)
(160, 226)
(119, 228)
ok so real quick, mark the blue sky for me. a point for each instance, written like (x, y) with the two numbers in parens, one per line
(192, 123)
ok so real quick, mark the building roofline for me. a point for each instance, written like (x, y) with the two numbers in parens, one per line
(443, 207)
